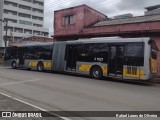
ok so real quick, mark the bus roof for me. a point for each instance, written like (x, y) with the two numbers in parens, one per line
(34, 44)
(110, 40)
(92, 40)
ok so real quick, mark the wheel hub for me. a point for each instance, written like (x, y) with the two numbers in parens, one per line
(96, 73)
(14, 64)
(40, 67)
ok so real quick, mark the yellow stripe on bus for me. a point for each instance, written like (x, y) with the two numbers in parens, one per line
(139, 73)
(134, 73)
(153, 65)
(104, 69)
(46, 64)
(86, 68)
(33, 64)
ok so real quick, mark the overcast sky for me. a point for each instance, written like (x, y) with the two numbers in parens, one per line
(107, 7)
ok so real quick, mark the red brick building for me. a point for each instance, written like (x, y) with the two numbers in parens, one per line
(85, 22)
(38, 39)
(68, 23)
(31, 39)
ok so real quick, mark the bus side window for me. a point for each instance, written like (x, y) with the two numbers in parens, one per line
(134, 54)
(134, 50)
(93, 53)
(100, 52)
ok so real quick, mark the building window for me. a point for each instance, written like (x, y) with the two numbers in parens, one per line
(27, 1)
(25, 22)
(10, 12)
(18, 30)
(37, 25)
(37, 18)
(10, 3)
(68, 20)
(38, 2)
(24, 7)
(37, 10)
(10, 20)
(36, 32)
(27, 31)
(24, 15)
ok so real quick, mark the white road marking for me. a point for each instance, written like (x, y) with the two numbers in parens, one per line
(14, 83)
(39, 108)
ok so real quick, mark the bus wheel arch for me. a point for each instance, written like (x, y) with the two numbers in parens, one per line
(14, 65)
(40, 66)
(96, 72)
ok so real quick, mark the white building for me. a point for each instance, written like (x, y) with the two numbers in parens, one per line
(153, 10)
(123, 16)
(25, 18)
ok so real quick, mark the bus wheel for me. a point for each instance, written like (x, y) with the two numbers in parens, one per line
(96, 72)
(14, 65)
(40, 66)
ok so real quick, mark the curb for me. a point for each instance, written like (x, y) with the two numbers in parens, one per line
(3, 66)
(156, 80)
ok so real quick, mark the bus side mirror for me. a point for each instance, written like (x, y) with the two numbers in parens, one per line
(149, 42)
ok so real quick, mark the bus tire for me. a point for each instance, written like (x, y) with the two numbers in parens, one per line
(13, 64)
(96, 72)
(28, 68)
(40, 67)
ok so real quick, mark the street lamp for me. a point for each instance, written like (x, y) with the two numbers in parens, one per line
(6, 25)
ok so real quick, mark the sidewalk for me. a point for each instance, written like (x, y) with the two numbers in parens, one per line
(4, 66)
(156, 79)
(11, 105)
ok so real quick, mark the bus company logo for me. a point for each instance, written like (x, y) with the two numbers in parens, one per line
(6, 114)
(21, 115)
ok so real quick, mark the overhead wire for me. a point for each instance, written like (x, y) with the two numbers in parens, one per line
(104, 3)
(61, 1)
(56, 1)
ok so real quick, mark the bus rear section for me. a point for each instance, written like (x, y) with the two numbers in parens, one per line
(11, 56)
(153, 59)
(136, 61)
(122, 60)
(35, 57)
(153, 62)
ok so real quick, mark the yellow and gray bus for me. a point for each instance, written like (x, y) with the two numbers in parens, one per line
(122, 58)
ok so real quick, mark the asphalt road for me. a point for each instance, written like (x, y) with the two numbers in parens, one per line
(14, 108)
(54, 92)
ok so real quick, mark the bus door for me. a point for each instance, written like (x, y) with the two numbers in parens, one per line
(71, 57)
(21, 57)
(116, 58)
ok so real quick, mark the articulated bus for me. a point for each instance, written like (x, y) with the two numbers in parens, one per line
(121, 58)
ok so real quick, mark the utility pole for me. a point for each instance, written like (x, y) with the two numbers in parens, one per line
(5, 38)
(6, 35)
(6, 25)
